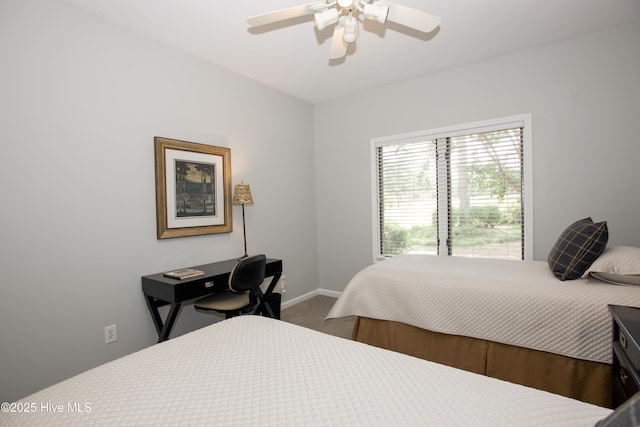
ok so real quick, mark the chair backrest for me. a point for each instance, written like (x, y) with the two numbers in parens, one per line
(248, 273)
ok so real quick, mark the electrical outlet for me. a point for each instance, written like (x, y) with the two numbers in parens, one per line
(110, 334)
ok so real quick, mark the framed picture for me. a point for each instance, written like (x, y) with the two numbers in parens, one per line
(193, 188)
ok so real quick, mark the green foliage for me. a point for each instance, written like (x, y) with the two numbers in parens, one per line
(479, 216)
(424, 236)
(485, 216)
(498, 177)
(497, 182)
(469, 235)
(512, 216)
(397, 240)
(455, 217)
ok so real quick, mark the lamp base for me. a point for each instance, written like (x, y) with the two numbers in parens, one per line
(244, 235)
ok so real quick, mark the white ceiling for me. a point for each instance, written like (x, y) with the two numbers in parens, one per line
(293, 57)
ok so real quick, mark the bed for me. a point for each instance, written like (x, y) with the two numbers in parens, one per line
(512, 320)
(252, 370)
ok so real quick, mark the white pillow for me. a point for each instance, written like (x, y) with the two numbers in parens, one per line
(617, 264)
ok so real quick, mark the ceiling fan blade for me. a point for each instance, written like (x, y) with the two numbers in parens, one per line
(284, 14)
(338, 46)
(412, 18)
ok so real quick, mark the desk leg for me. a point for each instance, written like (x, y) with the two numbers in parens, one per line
(267, 294)
(169, 321)
(162, 328)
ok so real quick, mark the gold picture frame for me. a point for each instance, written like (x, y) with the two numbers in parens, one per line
(193, 188)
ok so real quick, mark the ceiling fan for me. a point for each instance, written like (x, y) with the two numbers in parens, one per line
(346, 16)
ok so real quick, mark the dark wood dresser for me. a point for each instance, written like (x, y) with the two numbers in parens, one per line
(626, 352)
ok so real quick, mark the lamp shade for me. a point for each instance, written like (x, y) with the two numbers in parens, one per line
(242, 194)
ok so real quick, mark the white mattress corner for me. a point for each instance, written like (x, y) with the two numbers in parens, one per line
(250, 371)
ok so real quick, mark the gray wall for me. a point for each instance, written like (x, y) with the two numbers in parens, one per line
(80, 102)
(583, 95)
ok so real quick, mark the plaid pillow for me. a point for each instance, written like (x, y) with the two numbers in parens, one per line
(577, 248)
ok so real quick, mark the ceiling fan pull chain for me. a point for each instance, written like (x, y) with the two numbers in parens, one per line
(350, 33)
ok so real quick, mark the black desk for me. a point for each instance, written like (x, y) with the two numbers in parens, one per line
(160, 290)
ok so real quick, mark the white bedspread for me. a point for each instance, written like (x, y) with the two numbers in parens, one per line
(512, 302)
(250, 371)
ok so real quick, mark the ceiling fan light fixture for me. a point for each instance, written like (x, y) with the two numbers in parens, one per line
(346, 15)
(376, 12)
(350, 33)
(326, 18)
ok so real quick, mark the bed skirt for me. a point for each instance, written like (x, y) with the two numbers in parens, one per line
(579, 379)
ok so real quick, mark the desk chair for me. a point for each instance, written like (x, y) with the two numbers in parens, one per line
(244, 293)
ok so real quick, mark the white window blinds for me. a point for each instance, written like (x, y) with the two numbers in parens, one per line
(407, 187)
(458, 193)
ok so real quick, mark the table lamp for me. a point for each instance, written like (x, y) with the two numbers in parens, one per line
(242, 196)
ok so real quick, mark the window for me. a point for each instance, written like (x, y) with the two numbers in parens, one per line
(460, 191)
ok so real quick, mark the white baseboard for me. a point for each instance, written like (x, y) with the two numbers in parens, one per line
(328, 293)
(309, 295)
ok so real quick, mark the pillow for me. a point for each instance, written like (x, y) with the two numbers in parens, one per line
(577, 248)
(617, 279)
(619, 265)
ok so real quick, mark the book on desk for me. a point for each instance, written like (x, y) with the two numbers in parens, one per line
(183, 273)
